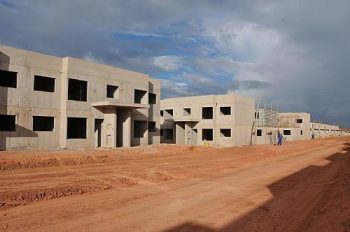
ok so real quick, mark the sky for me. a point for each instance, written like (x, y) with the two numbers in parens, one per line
(294, 55)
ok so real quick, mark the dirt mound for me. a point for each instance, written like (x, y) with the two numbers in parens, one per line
(24, 197)
(12, 163)
(12, 160)
(27, 163)
(124, 180)
(153, 177)
(158, 177)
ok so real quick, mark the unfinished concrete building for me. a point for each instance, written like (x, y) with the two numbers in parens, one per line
(216, 120)
(294, 126)
(325, 130)
(48, 102)
(266, 126)
(345, 132)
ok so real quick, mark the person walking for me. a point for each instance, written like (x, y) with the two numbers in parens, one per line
(279, 138)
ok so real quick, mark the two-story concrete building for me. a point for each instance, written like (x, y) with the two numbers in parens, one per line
(219, 120)
(294, 126)
(48, 102)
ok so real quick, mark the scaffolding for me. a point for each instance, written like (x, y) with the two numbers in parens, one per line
(267, 124)
(266, 118)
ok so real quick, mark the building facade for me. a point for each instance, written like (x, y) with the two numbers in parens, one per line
(266, 126)
(320, 130)
(216, 120)
(294, 126)
(48, 102)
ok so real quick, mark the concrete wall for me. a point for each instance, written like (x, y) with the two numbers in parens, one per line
(299, 130)
(244, 109)
(265, 126)
(268, 135)
(25, 103)
(188, 128)
(153, 113)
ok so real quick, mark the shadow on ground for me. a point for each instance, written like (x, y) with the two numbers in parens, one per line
(317, 198)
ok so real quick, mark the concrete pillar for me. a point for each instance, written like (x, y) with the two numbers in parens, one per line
(180, 133)
(64, 99)
(127, 129)
(187, 134)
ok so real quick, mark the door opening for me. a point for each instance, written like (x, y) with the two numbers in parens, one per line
(98, 132)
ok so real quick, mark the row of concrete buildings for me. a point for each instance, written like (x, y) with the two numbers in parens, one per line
(232, 120)
(48, 102)
(293, 126)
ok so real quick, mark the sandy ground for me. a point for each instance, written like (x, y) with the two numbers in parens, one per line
(301, 186)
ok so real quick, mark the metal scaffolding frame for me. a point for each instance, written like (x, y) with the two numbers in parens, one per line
(266, 118)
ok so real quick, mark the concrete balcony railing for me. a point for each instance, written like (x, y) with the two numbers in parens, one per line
(178, 118)
(116, 103)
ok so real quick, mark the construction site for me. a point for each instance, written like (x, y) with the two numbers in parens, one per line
(87, 146)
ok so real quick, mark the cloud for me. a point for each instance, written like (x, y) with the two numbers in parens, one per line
(172, 88)
(245, 41)
(88, 56)
(168, 63)
(249, 85)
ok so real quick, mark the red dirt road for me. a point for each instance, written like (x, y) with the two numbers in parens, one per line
(301, 186)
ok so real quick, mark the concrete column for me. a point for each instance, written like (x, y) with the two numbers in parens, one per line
(127, 129)
(216, 132)
(180, 133)
(187, 134)
(64, 99)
